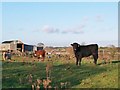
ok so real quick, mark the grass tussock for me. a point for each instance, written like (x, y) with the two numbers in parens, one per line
(59, 74)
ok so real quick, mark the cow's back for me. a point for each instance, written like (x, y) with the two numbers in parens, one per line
(87, 50)
(89, 47)
(93, 47)
(40, 52)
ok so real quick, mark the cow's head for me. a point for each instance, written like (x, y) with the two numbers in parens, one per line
(75, 46)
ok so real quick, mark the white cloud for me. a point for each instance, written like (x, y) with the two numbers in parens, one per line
(99, 18)
(49, 29)
(75, 30)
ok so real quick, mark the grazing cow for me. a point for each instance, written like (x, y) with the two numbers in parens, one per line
(81, 51)
(40, 54)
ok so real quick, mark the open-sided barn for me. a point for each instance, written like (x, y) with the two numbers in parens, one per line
(12, 45)
(15, 45)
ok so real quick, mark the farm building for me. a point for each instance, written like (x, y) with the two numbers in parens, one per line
(15, 45)
(11, 45)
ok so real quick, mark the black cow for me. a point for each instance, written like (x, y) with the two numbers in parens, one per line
(81, 51)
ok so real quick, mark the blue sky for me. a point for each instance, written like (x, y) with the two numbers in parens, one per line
(60, 23)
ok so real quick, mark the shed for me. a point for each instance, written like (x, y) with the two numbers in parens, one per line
(15, 45)
(11, 45)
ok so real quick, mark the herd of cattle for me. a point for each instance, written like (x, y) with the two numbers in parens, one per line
(79, 51)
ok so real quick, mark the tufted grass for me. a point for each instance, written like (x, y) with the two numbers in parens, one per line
(85, 76)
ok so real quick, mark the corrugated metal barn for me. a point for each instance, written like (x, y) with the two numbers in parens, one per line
(28, 47)
(18, 45)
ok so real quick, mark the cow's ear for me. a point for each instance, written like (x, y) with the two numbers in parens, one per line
(71, 44)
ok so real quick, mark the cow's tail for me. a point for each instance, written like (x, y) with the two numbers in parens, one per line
(96, 51)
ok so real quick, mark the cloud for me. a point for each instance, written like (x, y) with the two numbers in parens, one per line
(99, 18)
(49, 29)
(36, 30)
(75, 30)
(85, 19)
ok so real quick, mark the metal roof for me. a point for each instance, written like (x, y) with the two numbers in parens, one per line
(7, 41)
(16, 41)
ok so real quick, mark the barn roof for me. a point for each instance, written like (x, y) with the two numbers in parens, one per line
(17, 41)
(7, 41)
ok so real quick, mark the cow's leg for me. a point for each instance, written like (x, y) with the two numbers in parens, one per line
(95, 56)
(43, 58)
(38, 59)
(77, 60)
(80, 61)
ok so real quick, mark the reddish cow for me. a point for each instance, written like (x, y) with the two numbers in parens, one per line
(40, 54)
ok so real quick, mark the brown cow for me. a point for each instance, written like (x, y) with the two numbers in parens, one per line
(40, 54)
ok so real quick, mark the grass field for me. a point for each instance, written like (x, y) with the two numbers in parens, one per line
(15, 74)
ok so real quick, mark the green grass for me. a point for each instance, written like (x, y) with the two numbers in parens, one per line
(105, 79)
(85, 76)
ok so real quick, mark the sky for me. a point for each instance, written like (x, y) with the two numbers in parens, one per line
(60, 23)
